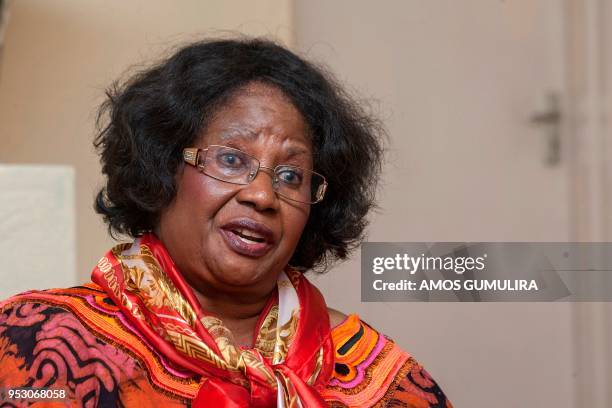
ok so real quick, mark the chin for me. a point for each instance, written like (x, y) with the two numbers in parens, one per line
(243, 272)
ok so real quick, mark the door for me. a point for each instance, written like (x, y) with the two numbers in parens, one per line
(473, 95)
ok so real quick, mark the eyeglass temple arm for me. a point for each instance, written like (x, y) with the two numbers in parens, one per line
(321, 191)
(190, 155)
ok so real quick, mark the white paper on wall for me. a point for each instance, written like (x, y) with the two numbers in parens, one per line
(37, 228)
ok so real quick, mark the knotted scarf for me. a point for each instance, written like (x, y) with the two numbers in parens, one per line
(292, 357)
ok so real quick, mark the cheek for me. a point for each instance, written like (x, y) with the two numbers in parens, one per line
(197, 201)
(203, 196)
(294, 221)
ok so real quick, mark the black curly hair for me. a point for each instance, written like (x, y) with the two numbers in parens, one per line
(146, 121)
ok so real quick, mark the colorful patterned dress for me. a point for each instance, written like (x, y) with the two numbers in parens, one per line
(48, 339)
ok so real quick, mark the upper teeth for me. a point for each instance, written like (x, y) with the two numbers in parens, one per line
(243, 231)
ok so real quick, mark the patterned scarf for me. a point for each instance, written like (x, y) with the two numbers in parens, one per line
(292, 358)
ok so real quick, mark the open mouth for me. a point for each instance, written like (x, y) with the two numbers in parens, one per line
(248, 236)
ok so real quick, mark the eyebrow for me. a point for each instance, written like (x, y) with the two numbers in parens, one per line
(240, 132)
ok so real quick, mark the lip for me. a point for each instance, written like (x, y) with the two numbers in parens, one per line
(252, 249)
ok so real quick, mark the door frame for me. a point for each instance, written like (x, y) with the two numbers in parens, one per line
(589, 135)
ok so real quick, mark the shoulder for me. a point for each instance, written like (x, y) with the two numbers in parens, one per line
(372, 370)
(69, 339)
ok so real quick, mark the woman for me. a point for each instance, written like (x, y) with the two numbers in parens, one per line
(236, 166)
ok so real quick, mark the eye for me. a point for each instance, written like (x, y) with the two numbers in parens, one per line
(291, 176)
(230, 160)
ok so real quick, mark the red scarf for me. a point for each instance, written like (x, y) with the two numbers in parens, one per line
(290, 363)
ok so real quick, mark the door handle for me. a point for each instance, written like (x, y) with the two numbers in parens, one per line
(550, 119)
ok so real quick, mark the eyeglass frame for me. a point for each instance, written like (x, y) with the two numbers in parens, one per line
(191, 154)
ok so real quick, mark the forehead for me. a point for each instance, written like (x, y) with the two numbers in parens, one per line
(256, 112)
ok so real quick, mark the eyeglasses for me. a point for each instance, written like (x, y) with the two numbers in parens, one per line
(235, 166)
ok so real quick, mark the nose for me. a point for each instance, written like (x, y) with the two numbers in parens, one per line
(259, 193)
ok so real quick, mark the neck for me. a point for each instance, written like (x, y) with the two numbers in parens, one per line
(238, 313)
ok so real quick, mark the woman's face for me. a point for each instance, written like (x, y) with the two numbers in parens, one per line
(204, 228)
